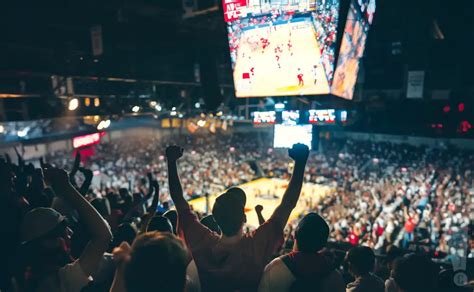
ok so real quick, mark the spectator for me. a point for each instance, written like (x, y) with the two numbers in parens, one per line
(307, 268)
(233, 260)
(413, 273)
(361, 262)
(161, 224)
(155, 262)
(47, 238)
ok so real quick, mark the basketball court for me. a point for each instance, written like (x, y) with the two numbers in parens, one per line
(268, 193)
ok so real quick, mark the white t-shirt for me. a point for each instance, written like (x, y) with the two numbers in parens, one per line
(278, 278)
(73, 278)
(70, 278)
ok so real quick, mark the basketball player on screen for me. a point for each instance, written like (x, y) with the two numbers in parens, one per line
(300, 78)
(314, 70)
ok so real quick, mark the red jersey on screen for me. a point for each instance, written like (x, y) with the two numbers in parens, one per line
(300, 77)
(229, 267)
(245, 75)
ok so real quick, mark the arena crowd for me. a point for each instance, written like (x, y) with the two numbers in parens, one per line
(120, 220)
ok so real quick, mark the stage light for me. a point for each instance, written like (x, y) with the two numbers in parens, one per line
(23, 132)
(136, 109)
(103, 125)
(87, 101)
(158, 107)
(279, 106)
(180, 116)
(153, 103)
(73, 104)
(173, 113)
(461, 107)
(197, 105)
(2, 129)
(201, 123)
(219, 114)
(96, 102)
(446, 108)
(173, 108)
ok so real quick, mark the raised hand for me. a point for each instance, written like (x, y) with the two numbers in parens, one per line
(173, 153)
(88, 174)
(299, 152)
(259, 208)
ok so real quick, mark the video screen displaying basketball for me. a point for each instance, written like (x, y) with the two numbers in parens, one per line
(282, 47)
(358, 22)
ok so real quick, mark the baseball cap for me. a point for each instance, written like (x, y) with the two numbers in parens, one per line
(39, 222)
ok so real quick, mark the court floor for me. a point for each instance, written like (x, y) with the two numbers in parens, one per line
(268, 193)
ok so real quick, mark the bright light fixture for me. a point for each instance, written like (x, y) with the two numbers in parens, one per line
(136, 109)
(73, 104)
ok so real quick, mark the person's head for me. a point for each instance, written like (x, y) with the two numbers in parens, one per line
(393, 253)
(361, 260)
(157, 260)
(311, 234)
(102, 206)
(160, 223)
(46, 235)
(125, 232)
(414, 273)
(229, 213)
(210, 223)
(172, 215)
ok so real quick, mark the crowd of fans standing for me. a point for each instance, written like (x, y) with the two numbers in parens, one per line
(387, 197)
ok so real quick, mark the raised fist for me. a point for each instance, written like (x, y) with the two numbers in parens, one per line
(174, 153)
(299, 152)
(259, 208)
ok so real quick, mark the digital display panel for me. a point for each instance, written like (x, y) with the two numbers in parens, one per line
(86, 140)
(290, 117)
(264, 117)
(289, 47)
(322, 117)
(282, 47)
(287, 135)
(359, 18)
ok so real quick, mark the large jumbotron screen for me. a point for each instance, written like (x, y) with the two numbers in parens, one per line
(285, 47)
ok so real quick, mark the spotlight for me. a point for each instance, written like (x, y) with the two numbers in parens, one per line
(152, 103)
(23, 132)
(136, 109)
(180, 116)
(173, 113)
(96, 102)
(197, 105)
(158, 107)
(279, 106)
(73, 104)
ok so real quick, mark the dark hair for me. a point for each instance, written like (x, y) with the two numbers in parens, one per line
(158, 260)
(414, 273)
(210, 223)
(102, 206)
(361, 260)
(228, 211)
(172, 215)
(125, 232)
(160, 223)
(311, 233)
